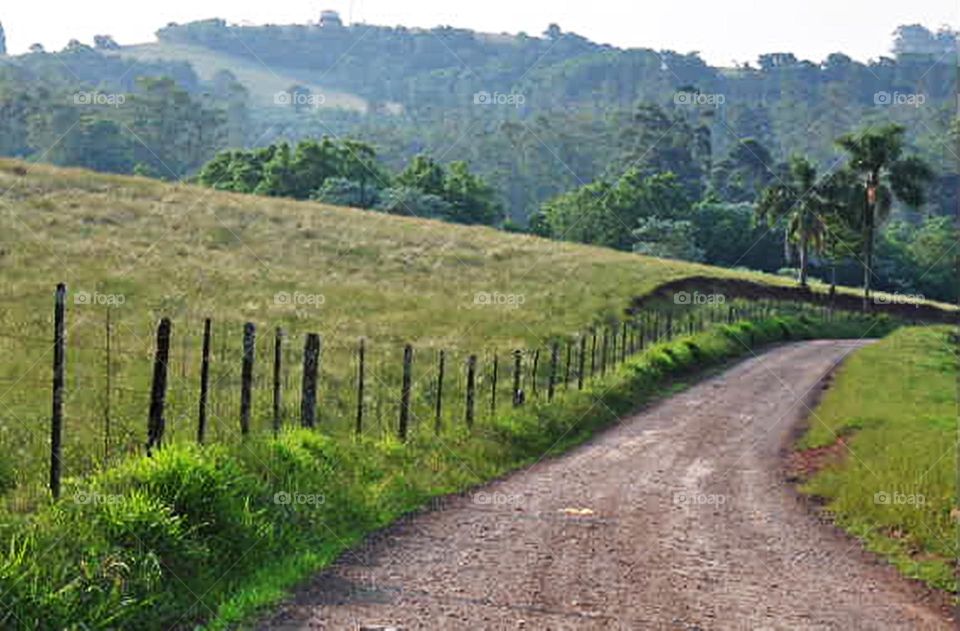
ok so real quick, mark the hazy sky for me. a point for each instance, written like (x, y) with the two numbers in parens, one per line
(722, 30)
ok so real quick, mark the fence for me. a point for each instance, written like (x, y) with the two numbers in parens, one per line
(123, 386)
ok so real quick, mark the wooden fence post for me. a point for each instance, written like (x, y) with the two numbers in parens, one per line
(311, 364)
(246, 376)
(566, 370)
(623, 342)
(158, 392)
(493, 388)
(59, 359)
(438, 419)
(554, 358)
(517, 371)
(582, 362)
(405, 392)
(593, 353)
(603, 352)
(535, 371)
(361, 367)
(471, 388)
(107, 334)
(204, 382)
(277, 373)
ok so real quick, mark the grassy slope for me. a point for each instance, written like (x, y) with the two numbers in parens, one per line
(188, 253)
(895, 404)
(261, 81)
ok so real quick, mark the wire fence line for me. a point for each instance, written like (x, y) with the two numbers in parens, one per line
(124, 384)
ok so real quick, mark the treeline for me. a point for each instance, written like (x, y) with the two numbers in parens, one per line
(348, 173)
(768, 216)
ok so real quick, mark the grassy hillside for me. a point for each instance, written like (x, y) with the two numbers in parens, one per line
(262, 82)
(134, 250)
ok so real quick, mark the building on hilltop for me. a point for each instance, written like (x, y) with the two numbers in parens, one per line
(330, 19)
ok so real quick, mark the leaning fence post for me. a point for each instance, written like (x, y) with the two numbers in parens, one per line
(517, 368)
(471, 388)
(277, 372)
(361, 351)
(438, 419)
(246, 376)
(554, 358)
(405, 392)
(59, 358)
(582, 360)
(311, 363)
(204, 382)
(158, 392)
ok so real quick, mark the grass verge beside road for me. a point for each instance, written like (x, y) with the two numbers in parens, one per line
(888, 431)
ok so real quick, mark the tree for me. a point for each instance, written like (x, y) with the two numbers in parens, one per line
(338, 191)
(472, 201)
(425, 174)
(666, 238)
(3, 41)
(405, 200)
(876, 155)
(105, 42)
(797, 201)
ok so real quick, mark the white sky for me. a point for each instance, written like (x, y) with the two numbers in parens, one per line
(722, 30)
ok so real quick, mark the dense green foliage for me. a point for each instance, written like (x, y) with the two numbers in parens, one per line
(893, 406)
(348, 173)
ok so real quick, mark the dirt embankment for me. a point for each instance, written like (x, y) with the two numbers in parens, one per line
(733, 288)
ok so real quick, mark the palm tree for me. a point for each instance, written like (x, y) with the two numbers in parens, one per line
(799, 201)
(876, 156)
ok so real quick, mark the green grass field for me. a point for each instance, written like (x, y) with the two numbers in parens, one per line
(142, 249)
(894, 404)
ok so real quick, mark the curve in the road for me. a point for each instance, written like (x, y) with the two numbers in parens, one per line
(678, 518)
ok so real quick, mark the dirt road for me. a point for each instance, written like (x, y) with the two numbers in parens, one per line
(678, 518)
